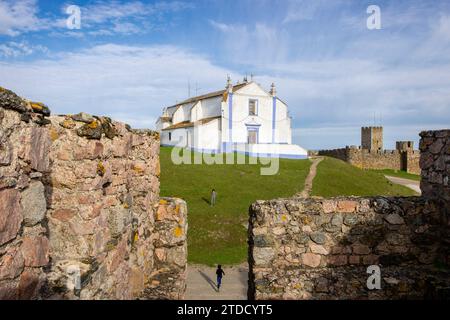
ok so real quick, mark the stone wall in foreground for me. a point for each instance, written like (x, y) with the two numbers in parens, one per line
(320, 248)
(435, 185)
(80, 214)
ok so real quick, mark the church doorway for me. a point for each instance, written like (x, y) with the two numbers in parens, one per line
(252, 136)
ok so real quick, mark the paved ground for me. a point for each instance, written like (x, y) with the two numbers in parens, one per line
(201, 283)
(309, 179)
(201, 280)
(412, 184)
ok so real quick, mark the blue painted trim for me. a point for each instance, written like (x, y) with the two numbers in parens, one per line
(265, 155)
(230, 117)
(274, 110)
(251, 154)
(252, 125)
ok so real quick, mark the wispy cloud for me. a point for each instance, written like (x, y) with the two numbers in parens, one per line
(17, 16)
(110, 17)
(128, 83)
(106, 18)
(306, 10)
(19, 49)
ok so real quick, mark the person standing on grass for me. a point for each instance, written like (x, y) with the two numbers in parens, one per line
(213, 197)
(220, 273)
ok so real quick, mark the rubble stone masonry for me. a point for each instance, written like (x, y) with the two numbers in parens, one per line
(319, 248)
(80, 214)
(377, 159)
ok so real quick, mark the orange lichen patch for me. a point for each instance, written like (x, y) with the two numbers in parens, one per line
(158, 169)
(162, 201)
(126, 206)
(177, 209)
(306, 220)
(161, 214)
(138, 169)
(136, 237)
(178, 232)
(37, 105)
(101, 169)
(68, 123)
(53, 134)
(93, 125)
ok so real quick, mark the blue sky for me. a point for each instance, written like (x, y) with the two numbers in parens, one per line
(131, 58)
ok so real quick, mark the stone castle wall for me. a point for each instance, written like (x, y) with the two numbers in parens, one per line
(79, 209)
(367, 159)
(320, 248)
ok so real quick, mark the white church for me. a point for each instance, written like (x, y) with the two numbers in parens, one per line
(243, 118)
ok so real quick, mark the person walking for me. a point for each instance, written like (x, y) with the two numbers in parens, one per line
(213, 197)
(220, 273)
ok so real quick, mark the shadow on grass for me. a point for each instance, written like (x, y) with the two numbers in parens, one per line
(206, 200)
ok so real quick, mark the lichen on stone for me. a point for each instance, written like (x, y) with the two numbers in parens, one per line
(67, 123)
(91, 131)
(101, 169)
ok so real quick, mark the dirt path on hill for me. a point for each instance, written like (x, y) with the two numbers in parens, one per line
(201, 283)
(310, 178)
(411, 184)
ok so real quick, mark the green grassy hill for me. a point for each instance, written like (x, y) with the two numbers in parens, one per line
(218, 234)
(338, 178)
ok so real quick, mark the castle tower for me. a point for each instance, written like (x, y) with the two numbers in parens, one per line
(372, 138)
(404, 145)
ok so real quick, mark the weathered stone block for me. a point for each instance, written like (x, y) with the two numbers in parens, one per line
(11, 264)
(263, 256)
(39, 150)
(33, 203)
(35, 250)
(394, 219)
(10, 214)
(311, 260)
(346, 206)
(318, 237)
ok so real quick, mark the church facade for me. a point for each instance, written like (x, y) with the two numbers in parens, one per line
(241, 118)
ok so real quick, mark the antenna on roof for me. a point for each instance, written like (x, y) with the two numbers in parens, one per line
(196, 88)
(189, 88)
(251, 76)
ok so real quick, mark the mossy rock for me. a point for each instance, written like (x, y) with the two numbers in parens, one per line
(91, 130)
(108, 128)
(39, 107)
(10, 100)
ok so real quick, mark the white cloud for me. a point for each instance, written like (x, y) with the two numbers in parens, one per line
(106, 18)
(19, 49)
(117, 17)
(128, 83)
(17, 16)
